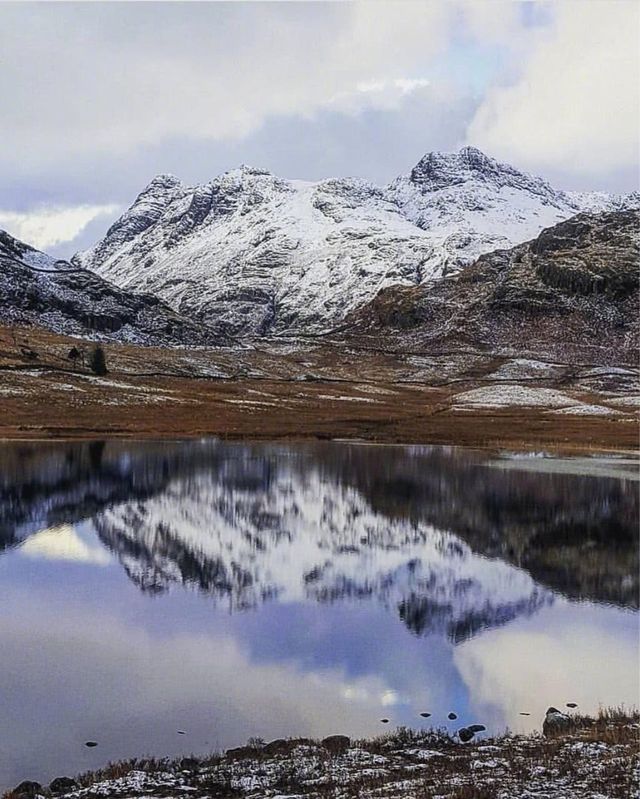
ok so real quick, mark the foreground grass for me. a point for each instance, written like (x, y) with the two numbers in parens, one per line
(596, 759)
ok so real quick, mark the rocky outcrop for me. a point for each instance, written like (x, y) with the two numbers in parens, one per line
(570, 294)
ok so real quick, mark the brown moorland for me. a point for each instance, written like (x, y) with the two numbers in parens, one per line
(312, 388)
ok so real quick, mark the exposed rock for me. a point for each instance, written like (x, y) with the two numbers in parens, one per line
(62, 785)
(571, 294)
(555, 723)
(27, 788)
(336, 744)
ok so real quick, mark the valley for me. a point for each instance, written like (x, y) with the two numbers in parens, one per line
(314, 389)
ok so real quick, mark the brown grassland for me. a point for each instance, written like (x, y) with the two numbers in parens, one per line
(283, 391)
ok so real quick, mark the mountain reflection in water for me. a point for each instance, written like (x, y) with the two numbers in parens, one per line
(413, 527)
(274, 590)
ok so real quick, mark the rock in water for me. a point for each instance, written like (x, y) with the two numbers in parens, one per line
(572, 704)
(465, 734)
(425, 715)
(91, 744)
(477, 728)
(452, 716)
(384, 721)
(555, 722)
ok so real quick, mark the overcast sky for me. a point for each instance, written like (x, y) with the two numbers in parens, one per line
(97, 98)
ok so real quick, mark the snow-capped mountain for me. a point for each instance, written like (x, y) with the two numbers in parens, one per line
(262, 254)
(36, 289)
(244, 523)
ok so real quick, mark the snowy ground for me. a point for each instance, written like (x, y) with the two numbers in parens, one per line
(597, 761)
(513, 395)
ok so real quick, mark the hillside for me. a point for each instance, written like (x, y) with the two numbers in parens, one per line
(570, 294)
(35, 289)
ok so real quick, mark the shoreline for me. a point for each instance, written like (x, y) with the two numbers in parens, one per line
(545, 447)
(593, 757)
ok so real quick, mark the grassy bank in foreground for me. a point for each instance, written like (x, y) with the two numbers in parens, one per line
(594, 759)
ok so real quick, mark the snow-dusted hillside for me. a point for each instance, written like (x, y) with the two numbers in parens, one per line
(262, 254)
(38, 290)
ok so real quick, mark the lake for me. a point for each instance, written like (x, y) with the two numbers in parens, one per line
(167, 598)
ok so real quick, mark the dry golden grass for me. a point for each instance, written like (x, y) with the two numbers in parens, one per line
(313, 392)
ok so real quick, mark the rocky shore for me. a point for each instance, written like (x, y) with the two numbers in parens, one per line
(584, 758)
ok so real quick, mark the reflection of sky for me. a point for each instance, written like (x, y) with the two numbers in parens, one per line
(86, 655)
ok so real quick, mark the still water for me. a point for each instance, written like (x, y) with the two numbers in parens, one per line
(237, 590)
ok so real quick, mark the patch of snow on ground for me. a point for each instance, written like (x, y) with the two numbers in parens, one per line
(587, 410)
(630, 402)
(520, 368)
(510, 395)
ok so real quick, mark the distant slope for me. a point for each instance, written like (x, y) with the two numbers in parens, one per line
(571, 293)
(265, 255)
(35, 289)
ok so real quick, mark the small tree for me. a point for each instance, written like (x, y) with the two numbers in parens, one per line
(74, 355)
(97, 361)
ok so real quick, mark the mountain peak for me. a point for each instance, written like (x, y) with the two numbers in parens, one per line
(439, 170)
(163, 184)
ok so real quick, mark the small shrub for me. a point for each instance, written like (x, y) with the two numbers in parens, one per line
(98, 362)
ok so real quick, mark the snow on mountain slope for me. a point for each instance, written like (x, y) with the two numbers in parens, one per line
(14, 249)
(262, 254)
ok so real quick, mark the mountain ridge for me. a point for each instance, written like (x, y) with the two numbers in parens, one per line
(265, 255)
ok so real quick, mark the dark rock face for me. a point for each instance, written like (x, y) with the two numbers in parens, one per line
(587, 257)
(62, 785)
(336, 744)
(78, 302)
(27, 788)
(570, 294)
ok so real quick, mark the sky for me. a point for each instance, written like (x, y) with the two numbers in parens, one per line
(97, 98)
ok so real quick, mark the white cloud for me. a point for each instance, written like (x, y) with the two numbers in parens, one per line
(122, 87)
(550, 661)
(381, 94)
(63, 543)
(46, 227)
(103, 78)
(575, 105)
